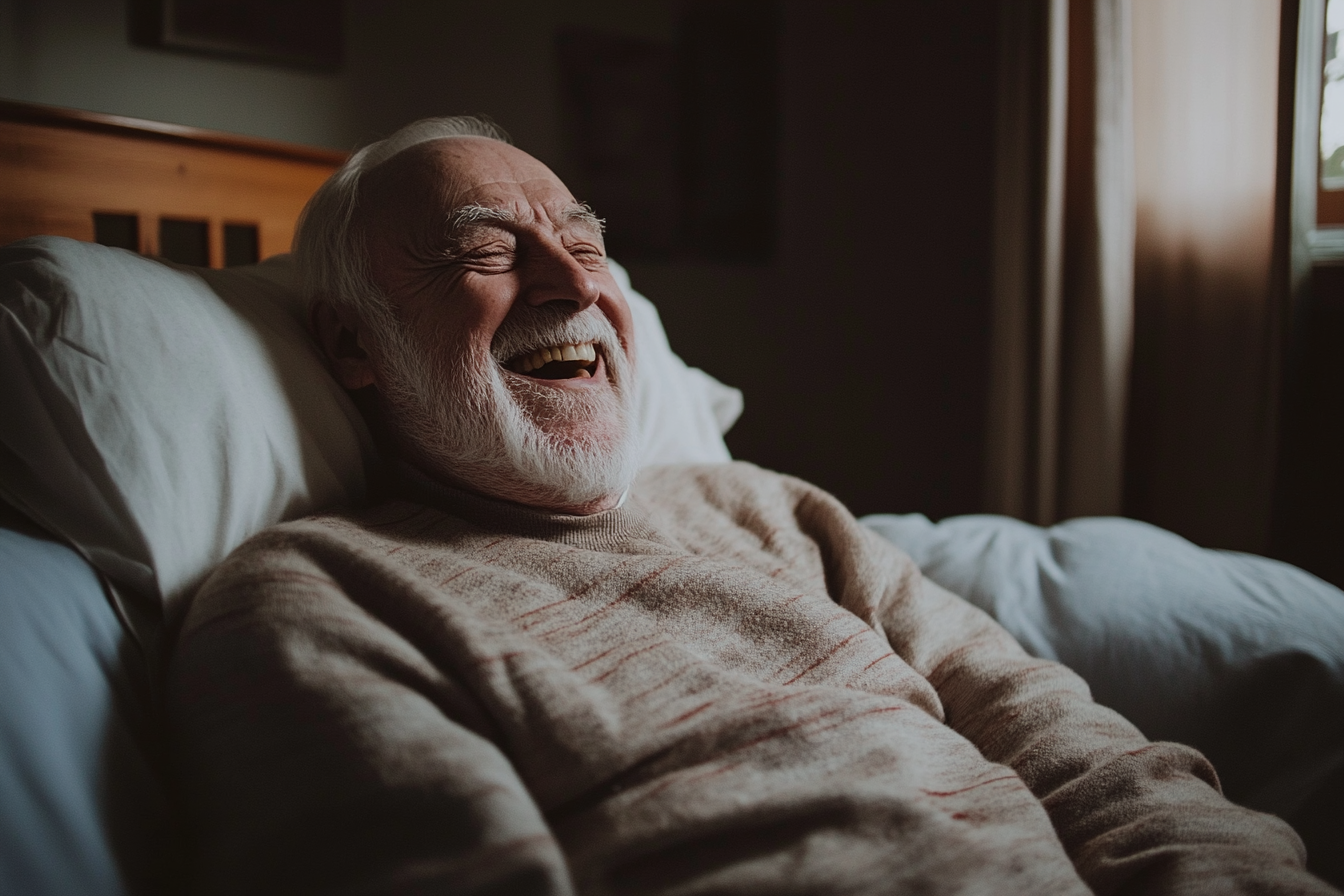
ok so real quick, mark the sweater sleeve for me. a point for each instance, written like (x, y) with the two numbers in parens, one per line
(318, 751)
(1136, 817)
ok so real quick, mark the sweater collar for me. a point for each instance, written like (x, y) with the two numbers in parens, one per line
(606, 528)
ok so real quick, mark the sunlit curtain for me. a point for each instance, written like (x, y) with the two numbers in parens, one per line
(1134, 366)
(1206, 381)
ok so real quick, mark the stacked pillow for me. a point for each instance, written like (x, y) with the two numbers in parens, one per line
(158, 415)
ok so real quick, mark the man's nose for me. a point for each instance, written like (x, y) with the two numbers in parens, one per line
(554, 275)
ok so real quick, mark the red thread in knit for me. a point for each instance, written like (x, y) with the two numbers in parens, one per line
(554, 603)
(487, 556)
(778, 732)
(866, 712)
(815, 630)
(885, 656)
(631, 655)
(971, 787)
(594, 659)
(686, 715)
(461, 572)
(830, 653)
(625, 595)
(773, 700)
(662, 684)
(577, 594)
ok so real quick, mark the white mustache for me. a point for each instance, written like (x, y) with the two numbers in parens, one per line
(527, 331)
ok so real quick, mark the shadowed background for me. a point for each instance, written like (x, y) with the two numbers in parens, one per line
(806, 189)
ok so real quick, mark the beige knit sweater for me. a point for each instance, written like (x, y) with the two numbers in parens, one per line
(725, 686)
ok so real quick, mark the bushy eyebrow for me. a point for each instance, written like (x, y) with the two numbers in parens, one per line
(465, 216)
(583, 213)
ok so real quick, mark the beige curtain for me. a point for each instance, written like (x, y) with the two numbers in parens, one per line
(1133, 368)
(1064, 260)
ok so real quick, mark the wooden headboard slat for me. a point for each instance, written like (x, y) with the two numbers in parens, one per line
(58, 167)
(144, 129)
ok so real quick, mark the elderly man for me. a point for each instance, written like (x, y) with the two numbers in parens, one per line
(531, 672)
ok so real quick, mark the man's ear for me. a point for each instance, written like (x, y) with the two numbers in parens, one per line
(339, 335)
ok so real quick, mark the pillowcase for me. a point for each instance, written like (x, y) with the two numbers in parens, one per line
(155, 416)
(682, 411)
(85, 808)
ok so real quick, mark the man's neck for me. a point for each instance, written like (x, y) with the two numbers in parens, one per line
(424, 473)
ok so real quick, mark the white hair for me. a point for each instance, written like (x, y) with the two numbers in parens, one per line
(328, 249)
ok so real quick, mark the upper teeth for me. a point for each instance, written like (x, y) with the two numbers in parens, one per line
(584, 352)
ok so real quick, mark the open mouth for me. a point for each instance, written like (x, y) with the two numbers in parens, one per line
(558, 362)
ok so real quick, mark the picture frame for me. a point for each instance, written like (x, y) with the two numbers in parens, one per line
(297, 33)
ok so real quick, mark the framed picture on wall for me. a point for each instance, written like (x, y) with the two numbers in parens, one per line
(303, 33)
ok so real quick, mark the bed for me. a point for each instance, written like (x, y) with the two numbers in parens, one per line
(160, 401)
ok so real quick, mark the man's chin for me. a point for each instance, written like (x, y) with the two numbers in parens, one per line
(565, 445)
(580, 482)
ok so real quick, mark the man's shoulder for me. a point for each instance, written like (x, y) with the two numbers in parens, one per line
(371, 523)
(335, 536)
(308, 560)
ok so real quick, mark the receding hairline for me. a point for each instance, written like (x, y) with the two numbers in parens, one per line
(426, 160)
(423, 163)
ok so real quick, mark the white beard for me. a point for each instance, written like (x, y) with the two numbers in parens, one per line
(531, 444)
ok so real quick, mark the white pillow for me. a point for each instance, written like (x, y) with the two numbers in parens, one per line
(683, 411)
(155, 416)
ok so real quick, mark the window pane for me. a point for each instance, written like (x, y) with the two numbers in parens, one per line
(1332, 100)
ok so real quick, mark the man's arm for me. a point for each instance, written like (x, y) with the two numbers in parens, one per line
(318, 751)
(1135, 816)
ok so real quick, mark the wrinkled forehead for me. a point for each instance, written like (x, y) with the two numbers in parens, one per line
(424, 184)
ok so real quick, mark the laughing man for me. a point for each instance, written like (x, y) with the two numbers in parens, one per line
(534, 672)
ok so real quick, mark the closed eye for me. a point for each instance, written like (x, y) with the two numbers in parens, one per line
(586, 252)
(493, 255)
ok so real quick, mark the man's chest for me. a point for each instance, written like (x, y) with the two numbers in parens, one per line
(659, 652)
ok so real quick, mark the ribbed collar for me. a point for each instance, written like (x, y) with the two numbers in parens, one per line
(610, 529)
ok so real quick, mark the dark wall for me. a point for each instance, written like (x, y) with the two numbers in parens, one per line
(861, 342)
(863, 347)
(1308, 525)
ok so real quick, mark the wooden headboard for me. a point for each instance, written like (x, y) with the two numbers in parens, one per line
(187, 194)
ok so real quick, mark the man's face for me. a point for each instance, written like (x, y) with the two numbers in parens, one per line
(509, 368)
